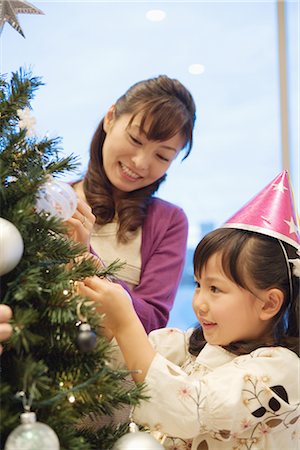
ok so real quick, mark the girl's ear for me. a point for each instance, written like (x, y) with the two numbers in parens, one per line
(108, 119)
(272, 303)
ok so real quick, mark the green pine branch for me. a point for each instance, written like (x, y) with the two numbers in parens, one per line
(16, 94)
(42, 363)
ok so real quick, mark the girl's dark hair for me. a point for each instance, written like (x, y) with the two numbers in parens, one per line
(253, 261)
(170, 109)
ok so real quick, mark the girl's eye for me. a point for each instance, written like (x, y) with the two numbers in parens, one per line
(197, 284)
(214, 289)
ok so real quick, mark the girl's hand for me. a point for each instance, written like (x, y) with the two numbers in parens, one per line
(81, 224)
(110, 299)
(5, 327)
(121, 321)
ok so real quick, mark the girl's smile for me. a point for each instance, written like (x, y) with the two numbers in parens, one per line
(208, 325)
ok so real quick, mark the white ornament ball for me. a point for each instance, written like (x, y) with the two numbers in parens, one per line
(32, 435)
(11, 246)
(56, 198)
(137, 440)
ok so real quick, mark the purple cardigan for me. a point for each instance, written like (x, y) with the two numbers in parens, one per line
(164, 239)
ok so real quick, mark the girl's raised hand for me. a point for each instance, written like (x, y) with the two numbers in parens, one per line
(81, 223)
(110, 299)
(120, 320)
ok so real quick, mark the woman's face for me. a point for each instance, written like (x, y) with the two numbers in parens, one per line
(130, 160)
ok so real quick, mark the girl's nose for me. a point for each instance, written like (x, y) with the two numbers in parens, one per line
(200, 304)
(203, 307)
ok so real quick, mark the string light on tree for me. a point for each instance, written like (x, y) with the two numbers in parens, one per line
(71, 398)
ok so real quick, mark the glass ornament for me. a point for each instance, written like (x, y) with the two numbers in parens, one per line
(87, 338)
(11, 246)
(56, 198)
(136, 440)
(32, 435)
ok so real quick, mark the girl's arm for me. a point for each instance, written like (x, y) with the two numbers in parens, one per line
(122, 321)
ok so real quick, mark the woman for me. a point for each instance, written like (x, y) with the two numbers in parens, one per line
(131, 151)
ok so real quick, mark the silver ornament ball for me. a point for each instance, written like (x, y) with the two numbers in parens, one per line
(137, 440)
(32, 435)
(56, 198)
(11, 246)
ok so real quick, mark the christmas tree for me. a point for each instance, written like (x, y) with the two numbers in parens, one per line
(52, 365)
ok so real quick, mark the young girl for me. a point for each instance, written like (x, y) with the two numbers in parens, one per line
(232, 383)
(131, 151)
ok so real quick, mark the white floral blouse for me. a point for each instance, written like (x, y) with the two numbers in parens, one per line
(220, 401)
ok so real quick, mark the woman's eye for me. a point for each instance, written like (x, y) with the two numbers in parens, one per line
(134, 140)
(197, 284)
(163, 158)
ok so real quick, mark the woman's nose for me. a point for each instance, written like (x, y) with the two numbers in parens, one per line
(140, 160)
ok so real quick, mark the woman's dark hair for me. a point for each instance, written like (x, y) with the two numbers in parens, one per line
(253, 261)
(169, 109)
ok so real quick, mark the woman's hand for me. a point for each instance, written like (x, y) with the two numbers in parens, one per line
(81, 224)
(5, 327)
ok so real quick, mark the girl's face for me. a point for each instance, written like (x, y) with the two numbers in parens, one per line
(226, 312)
(130, 160)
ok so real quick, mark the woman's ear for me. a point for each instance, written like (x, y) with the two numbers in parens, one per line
(272, 303)
(108, 118)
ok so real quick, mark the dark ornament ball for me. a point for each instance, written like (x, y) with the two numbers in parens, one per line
(86, 338)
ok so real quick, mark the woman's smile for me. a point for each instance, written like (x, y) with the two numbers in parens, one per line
(129, 174)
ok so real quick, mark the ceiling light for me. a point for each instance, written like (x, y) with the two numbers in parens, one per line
(156, 15)
(196, 69)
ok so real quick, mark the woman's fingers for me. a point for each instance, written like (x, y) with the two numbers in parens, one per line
(5, 313)
(81, 224)
(84, 214)
(5, 328)
(5, 331)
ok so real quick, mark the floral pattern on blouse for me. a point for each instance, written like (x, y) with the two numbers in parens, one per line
(220, 401)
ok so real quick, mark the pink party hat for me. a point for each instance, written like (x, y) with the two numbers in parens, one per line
(270, 212)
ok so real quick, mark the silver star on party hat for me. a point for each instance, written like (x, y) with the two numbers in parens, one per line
(9, 10)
